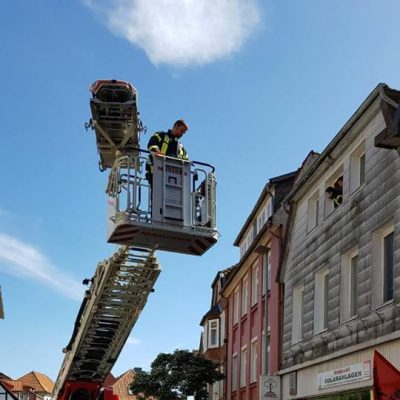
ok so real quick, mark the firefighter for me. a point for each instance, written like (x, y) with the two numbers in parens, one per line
(334, 195)
(167, 144)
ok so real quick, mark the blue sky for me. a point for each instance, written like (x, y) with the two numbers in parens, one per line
(261, 83)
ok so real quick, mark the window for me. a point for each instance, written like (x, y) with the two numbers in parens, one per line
(333, 192)
(269, 271)
(254, 285)
(254, 230)
(382, 264)
(243, 366)
(312, 211)
(246, 243)
(353, 285)
(263, 353)
(213, 328)
(223, 322)
(297, 314)
(253, 361)
(321, 301)
(245, 292)
(268, 353)
(234, 371)
(349, 284)
(388, 252)
(269, 208)
(236, 306)
(266, 271)
(205, 338)
(357, 168)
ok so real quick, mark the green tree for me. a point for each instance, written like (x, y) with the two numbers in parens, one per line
(176, 376)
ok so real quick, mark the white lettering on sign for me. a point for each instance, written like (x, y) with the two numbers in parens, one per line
(344, 375)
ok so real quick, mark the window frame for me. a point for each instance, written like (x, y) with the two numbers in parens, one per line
(243, 366)
(357, 167)
(313, 211)
(244, 295)
(255, 272)
(212, 329)
(235, 371)
(253, 359)
(321, 298)
(236, 305)
(297, 313)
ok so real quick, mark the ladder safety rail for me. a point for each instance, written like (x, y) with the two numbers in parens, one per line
(110, 309)
(115, 119)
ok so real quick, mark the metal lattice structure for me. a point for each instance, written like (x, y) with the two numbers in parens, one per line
(111, 307)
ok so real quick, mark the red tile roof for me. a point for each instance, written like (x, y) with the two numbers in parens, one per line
(39, 382)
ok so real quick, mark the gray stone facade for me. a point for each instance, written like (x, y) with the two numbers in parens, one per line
(325, 243)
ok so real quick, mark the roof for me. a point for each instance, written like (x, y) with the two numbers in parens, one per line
(3, 376)
(121, 385)
(38, 381)
(14, 385)
(7, 389)
(214, 311)
(267, 188)
(110, 380)
(381, 90)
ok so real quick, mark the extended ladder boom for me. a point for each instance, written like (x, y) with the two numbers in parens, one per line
(111, 307)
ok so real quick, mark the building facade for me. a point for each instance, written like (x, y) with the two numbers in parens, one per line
(341, 267)
(252, 296)
(213, 343)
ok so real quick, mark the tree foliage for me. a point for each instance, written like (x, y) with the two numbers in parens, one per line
(176, 376)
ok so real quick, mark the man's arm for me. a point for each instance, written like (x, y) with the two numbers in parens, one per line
(155, 144)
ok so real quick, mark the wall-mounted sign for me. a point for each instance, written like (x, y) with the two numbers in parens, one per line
(270, 387)
(293, 383)
(344, 375)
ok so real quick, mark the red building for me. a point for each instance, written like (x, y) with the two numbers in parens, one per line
(252, 296)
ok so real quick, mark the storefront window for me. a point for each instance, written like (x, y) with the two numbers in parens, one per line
(364, 395)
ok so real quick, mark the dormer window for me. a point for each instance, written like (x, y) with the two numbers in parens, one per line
(213, 333)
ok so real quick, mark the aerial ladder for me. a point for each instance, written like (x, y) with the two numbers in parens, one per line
(176, 213)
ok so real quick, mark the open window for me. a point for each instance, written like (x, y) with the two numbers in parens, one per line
(334, 191)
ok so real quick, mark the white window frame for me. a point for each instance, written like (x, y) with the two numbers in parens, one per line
(253, 359)
(313, 211)
(321, 291)
(205, 338)
(236, 304)
(243, 366)
(213, 326)
(378, 264)
(235, 371)
(349, 296)
(357, 166)
(254, 283)
(297, 313)
(244, 295)
(222, 326)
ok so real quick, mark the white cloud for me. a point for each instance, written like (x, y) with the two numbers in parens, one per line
(181, 32)
(23, 260)
(132, 340)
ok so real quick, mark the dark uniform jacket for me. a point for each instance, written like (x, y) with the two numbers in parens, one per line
(167, 144)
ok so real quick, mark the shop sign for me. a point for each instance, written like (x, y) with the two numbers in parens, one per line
(342, 376)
